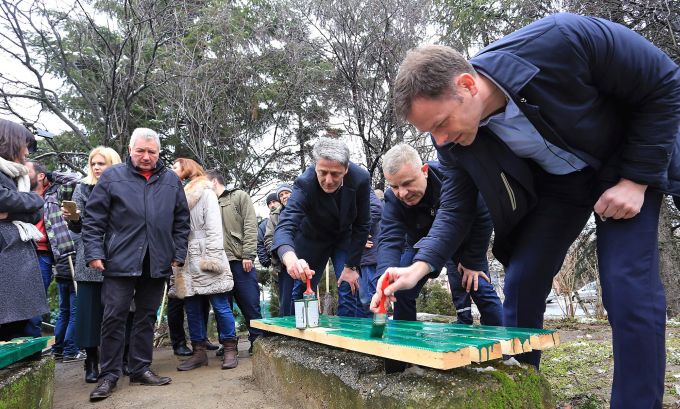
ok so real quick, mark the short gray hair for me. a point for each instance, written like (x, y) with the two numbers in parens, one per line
(331, 149)
(398, 156)
(427, 72)
(146, 134)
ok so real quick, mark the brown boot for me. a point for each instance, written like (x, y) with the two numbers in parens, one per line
(198, 359)
(230, 359)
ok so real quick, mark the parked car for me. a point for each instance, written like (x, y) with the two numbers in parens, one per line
(587, 293)
(552, 297)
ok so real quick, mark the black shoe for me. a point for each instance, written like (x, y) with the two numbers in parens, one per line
(103, 390)
(250, 350)
(183, 350)
(220, 351)
(150, 378)
(211, 347)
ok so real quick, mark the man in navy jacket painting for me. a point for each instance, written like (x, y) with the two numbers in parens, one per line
(565, 117)
(327, 216)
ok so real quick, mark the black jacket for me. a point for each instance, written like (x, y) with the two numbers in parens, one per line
(128, 216)
(414, 222)
(312, 216)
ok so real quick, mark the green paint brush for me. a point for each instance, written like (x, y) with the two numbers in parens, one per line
(380, 318)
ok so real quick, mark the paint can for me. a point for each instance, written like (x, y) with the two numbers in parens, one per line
(307, 312)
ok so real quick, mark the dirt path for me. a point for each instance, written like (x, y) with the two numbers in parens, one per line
(205, 388)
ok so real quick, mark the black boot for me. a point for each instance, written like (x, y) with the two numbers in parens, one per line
(91, 365)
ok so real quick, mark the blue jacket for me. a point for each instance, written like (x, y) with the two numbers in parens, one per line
(589, 86)
(414, 222)
(311, 215)
(128, 216)
(370, 256)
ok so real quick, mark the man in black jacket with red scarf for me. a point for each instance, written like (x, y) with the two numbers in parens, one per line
(136, 230)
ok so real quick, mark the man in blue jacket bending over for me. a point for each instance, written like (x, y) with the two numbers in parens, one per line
(327, 216)
(411, 205)
(568, 116)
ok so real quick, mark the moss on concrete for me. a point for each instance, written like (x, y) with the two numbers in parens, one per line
(27, 385)
(314, 376)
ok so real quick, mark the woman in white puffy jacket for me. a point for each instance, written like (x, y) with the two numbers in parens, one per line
(206, 270)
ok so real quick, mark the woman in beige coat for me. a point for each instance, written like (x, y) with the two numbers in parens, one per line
(206, 270)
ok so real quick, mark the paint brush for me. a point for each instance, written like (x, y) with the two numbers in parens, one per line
(380, 318)
(308, 294)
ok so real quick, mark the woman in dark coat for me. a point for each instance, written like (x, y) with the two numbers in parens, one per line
(22, 295)
(89, 308)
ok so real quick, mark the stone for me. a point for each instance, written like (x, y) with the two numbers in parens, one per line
(28, 384)
(310, 375)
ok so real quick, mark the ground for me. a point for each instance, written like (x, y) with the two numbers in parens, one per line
(206, 388)
(579, 371)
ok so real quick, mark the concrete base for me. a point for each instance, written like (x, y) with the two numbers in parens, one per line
(309, 375)
(28, 384)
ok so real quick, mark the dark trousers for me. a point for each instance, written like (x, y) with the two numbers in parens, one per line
(11, 330)
(629, 273)
(246, 292)
(286, 283)
(488, 303)
(45, 261)
(117, 294)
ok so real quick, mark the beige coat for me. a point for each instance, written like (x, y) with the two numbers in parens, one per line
(206, 268)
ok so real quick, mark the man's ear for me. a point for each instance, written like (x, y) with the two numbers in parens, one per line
(467, 82)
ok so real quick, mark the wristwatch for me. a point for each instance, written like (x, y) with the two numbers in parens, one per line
(353, 268)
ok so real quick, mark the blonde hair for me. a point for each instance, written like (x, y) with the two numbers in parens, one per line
(110, 156)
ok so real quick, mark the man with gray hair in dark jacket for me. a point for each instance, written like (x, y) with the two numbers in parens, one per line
(136, 230)
(326, 216)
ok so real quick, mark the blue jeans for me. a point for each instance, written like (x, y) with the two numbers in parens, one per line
(490, 307)
(195, 308)
(348, 305)
(64, 331)
(246, 292)
(45, 262)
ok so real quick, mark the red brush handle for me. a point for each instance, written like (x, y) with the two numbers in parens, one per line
(309, 287)
(385, 283)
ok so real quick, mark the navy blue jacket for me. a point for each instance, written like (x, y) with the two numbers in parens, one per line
(311, 215)
(262, 254)
(128, 216)
(589, 86)
(414, 222)
(370, 256)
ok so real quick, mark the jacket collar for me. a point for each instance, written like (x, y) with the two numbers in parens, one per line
(157, 170)
(509, 71)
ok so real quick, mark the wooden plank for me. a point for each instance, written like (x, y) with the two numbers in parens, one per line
(441, 346)
(439, 360)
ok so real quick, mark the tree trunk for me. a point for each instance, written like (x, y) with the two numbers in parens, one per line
(669, 253)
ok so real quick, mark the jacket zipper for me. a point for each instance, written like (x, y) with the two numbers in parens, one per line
(511, 194)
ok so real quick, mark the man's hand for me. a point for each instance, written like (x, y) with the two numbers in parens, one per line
(247, 265)
(3, 215)
(402, 278)
(297, 267)
(471, 278)
(622, 201)
(350, 277)
(97, 265)
(175, 263)
(369, 243)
